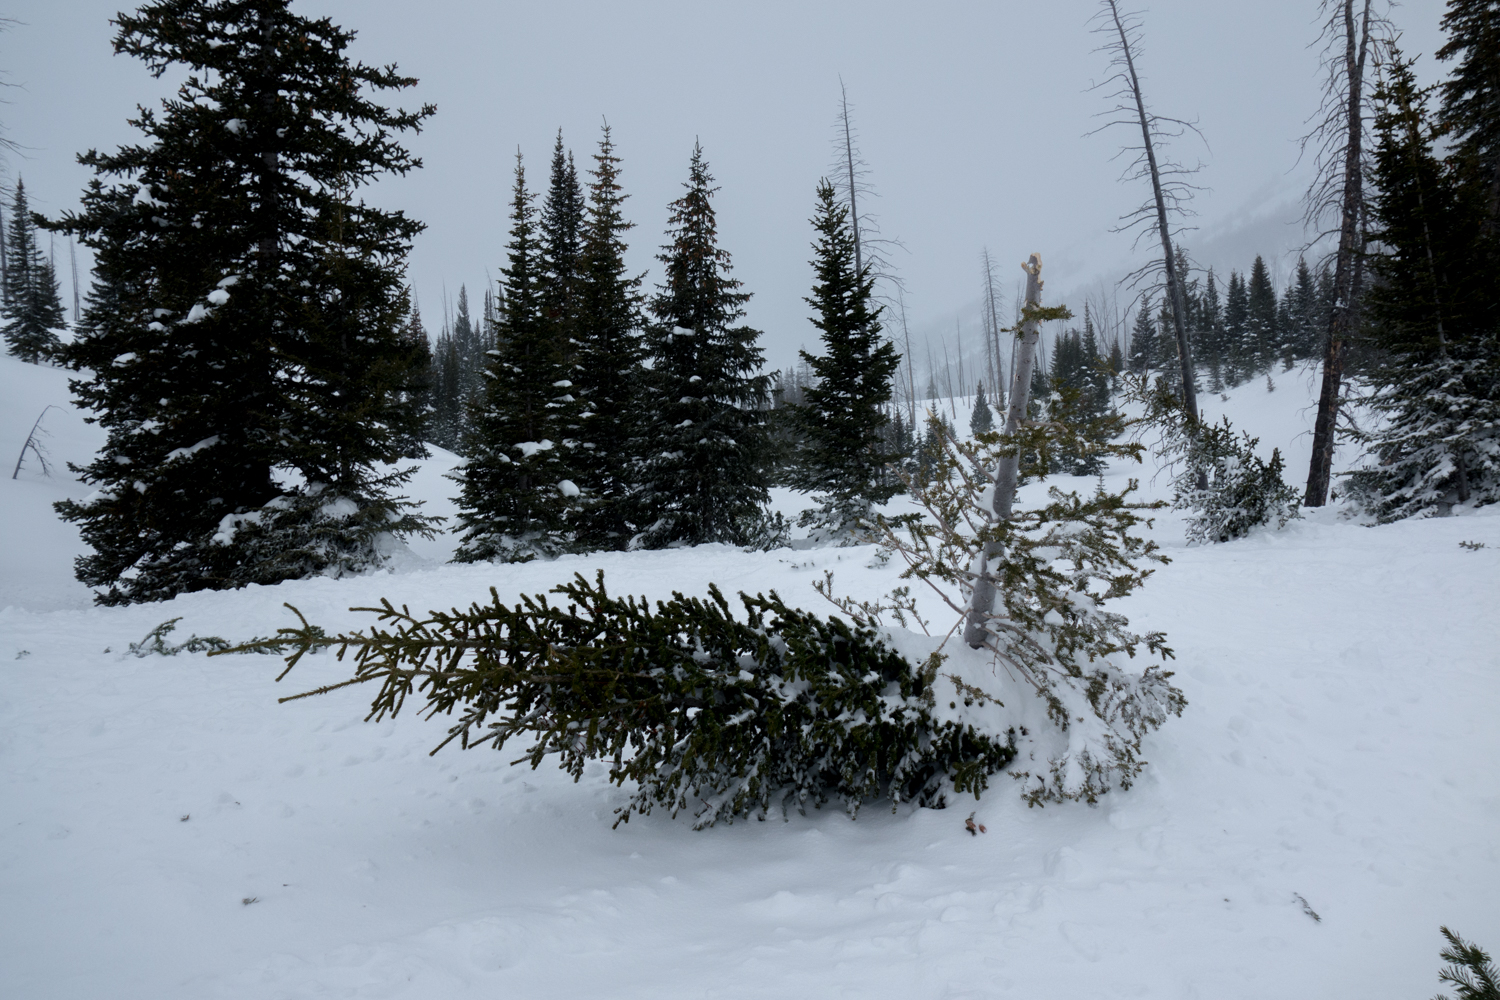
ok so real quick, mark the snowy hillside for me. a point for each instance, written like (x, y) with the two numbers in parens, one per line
(167, 830)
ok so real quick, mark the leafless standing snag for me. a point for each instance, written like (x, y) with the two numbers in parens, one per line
(909, 359)
(1340, 156)
(1169, 189)
(849, 171)
(849, 180)
(991, 325)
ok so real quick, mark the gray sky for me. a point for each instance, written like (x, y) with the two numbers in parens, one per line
(972, 117)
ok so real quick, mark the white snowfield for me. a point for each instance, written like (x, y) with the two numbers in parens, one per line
(167, 830)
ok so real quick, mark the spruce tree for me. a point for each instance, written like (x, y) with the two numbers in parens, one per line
(982, 420)
(1308, 320)
(1116, 363)
(419, 395)
(460, 357)
(447, 419)
(1166, 344)
(560, 233)
(843, 420)
(703, 478)
(469, 352)
(1094, 374)
(1143, 340)
(1432, 312)
(1239, 357)
(1470, 110)
(245, 327)
(518, 501)
(29, 305)
(608, 372)
(1211, 333)
(1260, 317)
(1077, 393)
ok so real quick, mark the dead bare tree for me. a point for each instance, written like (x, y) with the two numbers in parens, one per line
(850, 175)
(1170, 189)
(992, 315)
(77, 301)
(1338, 143)
(34, 445)
(910, 359)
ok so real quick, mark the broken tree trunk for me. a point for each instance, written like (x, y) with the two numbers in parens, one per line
(982, 599)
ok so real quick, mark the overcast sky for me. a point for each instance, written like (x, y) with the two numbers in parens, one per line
(973, 118)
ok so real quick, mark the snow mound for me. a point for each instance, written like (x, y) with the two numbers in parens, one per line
(167, 830)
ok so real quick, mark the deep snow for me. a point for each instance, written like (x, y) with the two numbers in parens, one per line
(1338, 746)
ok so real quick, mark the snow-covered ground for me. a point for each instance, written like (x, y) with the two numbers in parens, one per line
(167, 830)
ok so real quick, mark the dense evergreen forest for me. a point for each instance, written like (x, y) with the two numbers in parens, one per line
(263, 371)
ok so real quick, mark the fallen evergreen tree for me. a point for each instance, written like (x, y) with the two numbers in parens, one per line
(701, 711)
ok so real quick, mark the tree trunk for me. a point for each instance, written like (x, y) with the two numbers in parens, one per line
(999, 380)
(4, 264)
(1169, 258)
(859, 263)
(982, 600)
(911, 374)
(1347, 269)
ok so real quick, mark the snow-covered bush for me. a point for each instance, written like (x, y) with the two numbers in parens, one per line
(1230, 489)
(1226, 486)
(1049, 639)
(700, 711)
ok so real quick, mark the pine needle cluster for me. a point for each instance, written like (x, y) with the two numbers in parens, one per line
(1471, 973)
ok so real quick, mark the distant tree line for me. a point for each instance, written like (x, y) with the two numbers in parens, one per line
(1243, 333)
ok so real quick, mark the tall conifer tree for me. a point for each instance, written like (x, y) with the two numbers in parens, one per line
(843, 420)
(1306, 320)
(246, 322)
(29, 305)
(1260, 314)
(608, 373)
(518, 501)
(560, 235)
(982, 419)
(419, 395)
(703, 478)
(1239, 359)
(1144, 341)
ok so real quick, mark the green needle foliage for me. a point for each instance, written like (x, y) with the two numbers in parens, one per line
(700, 711)
(1472, 974)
